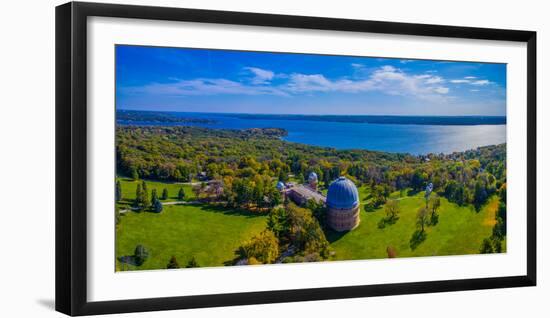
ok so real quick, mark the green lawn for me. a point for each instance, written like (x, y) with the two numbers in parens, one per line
(212, 234)
(208, 233)
(129, 187)
(460, 230)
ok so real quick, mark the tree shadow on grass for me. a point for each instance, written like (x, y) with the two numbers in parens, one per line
(369, 208)
(385, 221)
(434, 219)
(128, 260)
(417, 238)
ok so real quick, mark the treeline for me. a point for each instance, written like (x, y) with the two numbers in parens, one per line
(247, 162)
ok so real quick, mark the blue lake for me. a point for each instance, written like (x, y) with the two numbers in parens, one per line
(403, 138)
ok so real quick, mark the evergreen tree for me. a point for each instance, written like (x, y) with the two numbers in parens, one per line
(140, 255)
(139, 197)
(181, 195)
(173, 263)
(154, 197)
(118, 191)
(145, 202)
(134, 173)
(164, 194)
(192, 263)
(157, 206)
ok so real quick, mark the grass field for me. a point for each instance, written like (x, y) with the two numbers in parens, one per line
(209, 234)
(460, 230)
(212, 234)
(129, 187)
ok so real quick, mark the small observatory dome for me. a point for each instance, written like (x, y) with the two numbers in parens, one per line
(280, 185)
(312, 177)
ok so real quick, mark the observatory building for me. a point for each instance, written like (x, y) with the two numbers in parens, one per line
(343, 205)
(342, 200)
(301, 193)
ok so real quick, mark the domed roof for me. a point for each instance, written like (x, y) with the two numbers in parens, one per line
(312, 177)
(342, 194)
(280, 185)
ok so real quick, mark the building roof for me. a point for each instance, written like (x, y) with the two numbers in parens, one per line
(308, 193)
(342, 194)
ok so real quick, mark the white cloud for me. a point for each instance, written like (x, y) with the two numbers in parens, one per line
(459, 81)
(261, 76)
(205, 86)
(481, 82)
(441, 90)
(434, 80)
(386, 79)
(471, 80)
(357, 65)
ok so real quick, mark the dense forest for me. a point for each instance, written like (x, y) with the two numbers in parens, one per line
(180, 153)
(242, 167)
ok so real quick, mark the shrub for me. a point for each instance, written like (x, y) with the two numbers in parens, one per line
(173, 263)
(140, 255)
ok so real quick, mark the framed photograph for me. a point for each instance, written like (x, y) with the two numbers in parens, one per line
(208, 158)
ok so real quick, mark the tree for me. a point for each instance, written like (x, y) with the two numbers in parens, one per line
(134, 173)
(192, 263)
(157, 206)
(392, 210)
(154, 197)
(480, 194)
(305, 232)
(140, 255)
(486, 247)
(164, 194)
(181, 195)
(173, 263)
(422, 217)
(279, 224)
(118, 191)
(139, 197)
(378, 195)
(264, 247)
(434, 204)
(145, 202)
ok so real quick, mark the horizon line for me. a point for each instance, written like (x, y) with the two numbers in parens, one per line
(295, 114)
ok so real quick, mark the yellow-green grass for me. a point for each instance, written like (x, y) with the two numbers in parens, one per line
(208, 233)
(460, 231)
(129, 187)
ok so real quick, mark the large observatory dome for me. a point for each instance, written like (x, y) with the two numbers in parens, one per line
(342, 194)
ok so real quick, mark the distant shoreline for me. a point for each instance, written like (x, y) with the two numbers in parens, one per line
(360, 119)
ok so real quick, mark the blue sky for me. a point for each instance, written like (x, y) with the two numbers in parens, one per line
(201, 80)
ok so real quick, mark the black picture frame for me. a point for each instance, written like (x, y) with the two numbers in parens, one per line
(71, 157)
